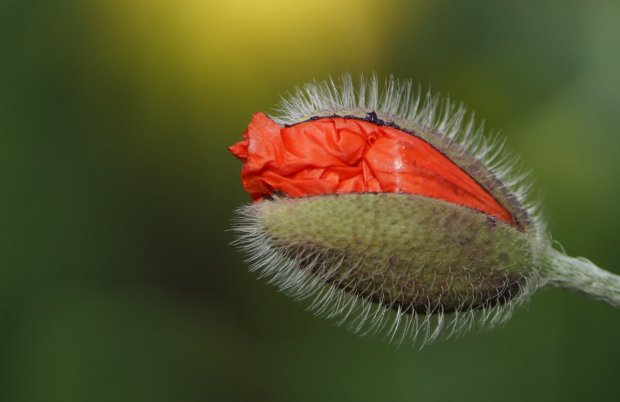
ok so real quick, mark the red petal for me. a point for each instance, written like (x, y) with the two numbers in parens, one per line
(339, 155)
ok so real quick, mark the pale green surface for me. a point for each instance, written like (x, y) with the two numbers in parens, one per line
(117, 282)
(405, 249)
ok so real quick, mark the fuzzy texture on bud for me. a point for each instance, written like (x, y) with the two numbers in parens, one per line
(393, 214)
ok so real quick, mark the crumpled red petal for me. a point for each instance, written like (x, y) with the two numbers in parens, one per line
(337, 155)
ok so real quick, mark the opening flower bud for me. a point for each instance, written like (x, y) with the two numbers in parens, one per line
(389, 212)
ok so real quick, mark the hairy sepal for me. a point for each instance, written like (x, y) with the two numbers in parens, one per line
(429, 265)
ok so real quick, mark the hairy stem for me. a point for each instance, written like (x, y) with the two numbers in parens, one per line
(581, 275)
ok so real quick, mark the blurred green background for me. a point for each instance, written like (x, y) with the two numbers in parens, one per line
(117, 282)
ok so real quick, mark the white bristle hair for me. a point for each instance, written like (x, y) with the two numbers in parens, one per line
(400, 101)
(296, 276)
(304, 271)
(395, 102)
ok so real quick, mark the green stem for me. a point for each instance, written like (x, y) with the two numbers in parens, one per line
(581, 275)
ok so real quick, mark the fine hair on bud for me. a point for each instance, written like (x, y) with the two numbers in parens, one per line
(392, 213)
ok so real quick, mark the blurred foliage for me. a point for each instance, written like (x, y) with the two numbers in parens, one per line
(117, 282)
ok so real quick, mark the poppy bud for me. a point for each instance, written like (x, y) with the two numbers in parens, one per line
(390, 213)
